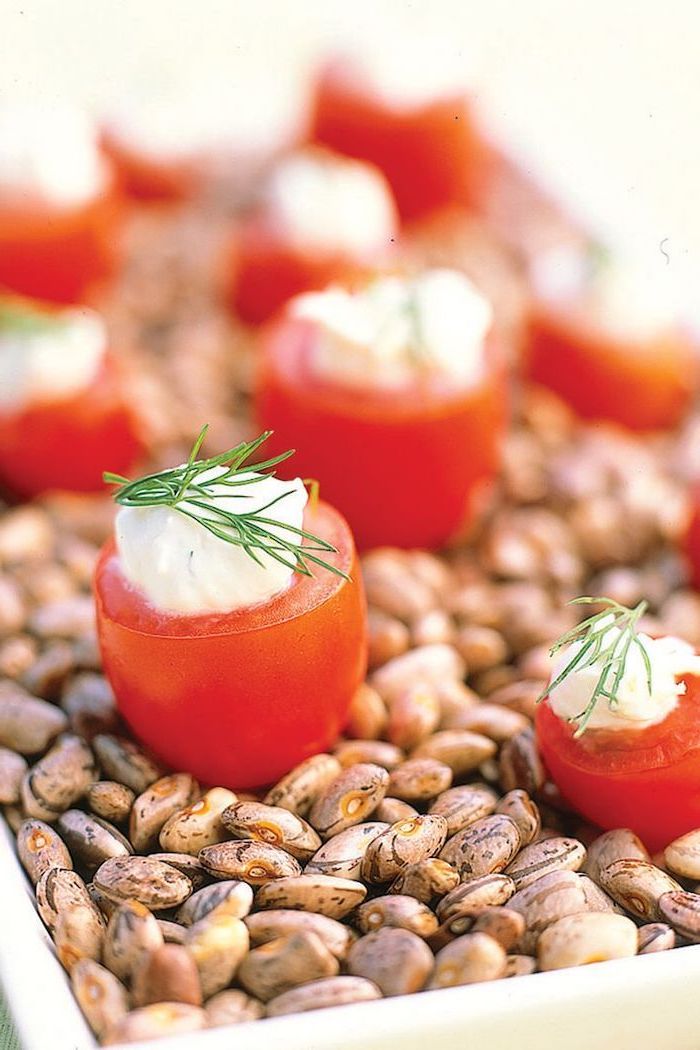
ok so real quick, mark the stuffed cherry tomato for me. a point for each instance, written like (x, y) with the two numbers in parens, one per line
(63, 403)
(612, 346)
(231, 618)
(59, 212)
(396, 402)
(619, 730)
(321, 217)
(414, 122)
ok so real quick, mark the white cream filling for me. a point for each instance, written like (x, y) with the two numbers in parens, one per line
(636, 707)
(409, 73)
(332, 204)
(398, 329)
(182, 567)
(50, 361)
(49, 152)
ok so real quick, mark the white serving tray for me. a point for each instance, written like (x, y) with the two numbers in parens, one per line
(649, 1002)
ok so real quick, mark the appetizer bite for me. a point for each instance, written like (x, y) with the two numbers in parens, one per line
(63, 402)
(396, 399)
(609, 341)
(321, 217)
(409, 116)
(619, 725)
(58, 208)
(231, 616)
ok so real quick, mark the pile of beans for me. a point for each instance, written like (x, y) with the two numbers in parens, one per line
(426, 851)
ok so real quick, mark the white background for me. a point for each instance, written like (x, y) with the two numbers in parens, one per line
(602, 98)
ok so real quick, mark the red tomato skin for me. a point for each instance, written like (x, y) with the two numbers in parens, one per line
(649, 387)
(691, 542)
(67, 444)
(409, 469)
(238, 699)
(60, 254)
(432, 155)
(148, 180)
(647, 780)
(265, 271)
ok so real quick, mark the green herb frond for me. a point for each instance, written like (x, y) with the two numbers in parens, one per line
(592, 647)
(187, 490)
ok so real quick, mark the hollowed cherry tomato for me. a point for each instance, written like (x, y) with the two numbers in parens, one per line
(640, 385)
(151, 178)
(239, 698)
(64, 444)
(644, 779)
(59, 253)
(407, 468)
(432, 153)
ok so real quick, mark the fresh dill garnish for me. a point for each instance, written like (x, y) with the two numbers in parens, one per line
(187, 489)
(590, 638)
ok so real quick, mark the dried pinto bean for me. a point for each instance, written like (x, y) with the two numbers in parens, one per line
(89, 702)
(12, 770)
(102, 998)
(154, 884)
(419, 779)
(620, 844)
(520, 764)
(91, 840)
(299, 789)
(27, 724)
(637, 885)
(319, 995)
(467, 960)
(57, 889)
(78, 934)
(277, 966)
(237, 896)
(218, 944)
(471, 897)
(518, 805)
(188, 865)
(390, 810)
(427, 663)
(59, 779)
(488, 845)
(591, 937)
(414, 714)
(543, 902)
(398, 910)
(681, 910)
(503, 924)
(157, 804)
(317, 893)
(167, 974)
(344, 853)
(40, 849)
(368, 715)
(461, 750)
(683, 856)
(426, 880)
(232, 1006)
(403, 843)
(264, 926)
(132, 932)
(253, 862)
(377, 752)
(349, 799)
(121, 760)
(155, 1022)
(655, 937)
(198, 825)
(273, 825)
(396, 960)
(462, 806)
(110, 800)
(538, 859)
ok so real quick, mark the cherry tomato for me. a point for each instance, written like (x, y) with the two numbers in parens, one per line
(432, 154)
(59, 254)
(267, 270)
(239, 698)
(409, 468)
(65, 444)
(147, 178)
(644, 779)
(642, 386)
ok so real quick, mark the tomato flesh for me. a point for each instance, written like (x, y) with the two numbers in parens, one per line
(59, 254)
(238, 699)
(644, 779)
(407, 468)
(642, 387)
(67, 444)
(432, 154)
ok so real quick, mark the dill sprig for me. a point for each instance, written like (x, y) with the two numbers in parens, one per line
(187, 489)
(590, 637)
